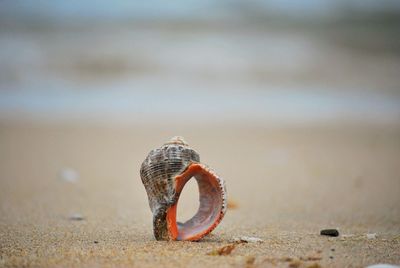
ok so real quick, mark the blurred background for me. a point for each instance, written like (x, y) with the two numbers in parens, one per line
(295, 103)
(270, 62)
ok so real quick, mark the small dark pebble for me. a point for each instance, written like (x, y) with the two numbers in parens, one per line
(96, 242)
(330, 257)
(332, 249)
(330, 232)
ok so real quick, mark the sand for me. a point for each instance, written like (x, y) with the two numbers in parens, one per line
(288, 184)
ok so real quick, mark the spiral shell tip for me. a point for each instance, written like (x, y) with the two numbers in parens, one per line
(177, 140)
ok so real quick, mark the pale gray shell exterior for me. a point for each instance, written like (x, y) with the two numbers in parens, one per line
(157, 172)
(159, 169)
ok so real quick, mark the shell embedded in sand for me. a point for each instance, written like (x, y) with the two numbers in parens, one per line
(164, 173)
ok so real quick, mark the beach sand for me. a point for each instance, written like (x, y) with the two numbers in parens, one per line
(288, 183)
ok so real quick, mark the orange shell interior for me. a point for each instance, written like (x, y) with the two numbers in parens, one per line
(210, 211)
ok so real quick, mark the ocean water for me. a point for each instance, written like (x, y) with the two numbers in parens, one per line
(165, 105)
(186, 8)
(147, 62)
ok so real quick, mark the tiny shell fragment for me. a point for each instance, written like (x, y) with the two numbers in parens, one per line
(69, 175)
(371, 236)
(248, 239)
(76, 217)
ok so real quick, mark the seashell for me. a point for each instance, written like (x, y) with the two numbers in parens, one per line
(164, 173)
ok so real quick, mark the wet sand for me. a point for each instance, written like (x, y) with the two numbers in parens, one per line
(288, 184)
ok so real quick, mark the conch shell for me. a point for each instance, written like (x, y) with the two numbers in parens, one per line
(164, 173)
